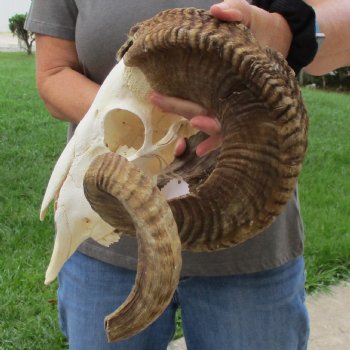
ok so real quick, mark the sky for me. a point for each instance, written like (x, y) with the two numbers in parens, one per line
(8, 8)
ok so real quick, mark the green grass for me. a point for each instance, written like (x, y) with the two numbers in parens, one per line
(31, 141)
(325, 189)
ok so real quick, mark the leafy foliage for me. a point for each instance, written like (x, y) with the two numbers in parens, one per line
(16, 25)
(338, 80)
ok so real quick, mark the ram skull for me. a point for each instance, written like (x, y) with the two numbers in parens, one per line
(124, 146)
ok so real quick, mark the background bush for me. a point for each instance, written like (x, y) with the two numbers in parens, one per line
(338, 80)
(16, 25)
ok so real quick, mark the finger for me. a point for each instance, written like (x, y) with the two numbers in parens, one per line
(209, 125)
(180, 147)
(225, 12)
(208, 145)
(176, 105)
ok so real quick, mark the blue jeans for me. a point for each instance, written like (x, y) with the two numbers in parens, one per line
(260, 311)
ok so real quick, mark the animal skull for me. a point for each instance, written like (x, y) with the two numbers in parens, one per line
(120, 120)
(124, 143)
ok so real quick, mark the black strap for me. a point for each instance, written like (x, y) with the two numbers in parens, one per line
(301, 19)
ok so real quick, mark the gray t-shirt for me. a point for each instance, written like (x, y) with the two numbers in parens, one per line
(98, 28)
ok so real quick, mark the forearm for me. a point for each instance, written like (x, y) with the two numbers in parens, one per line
(66, 92)
(333, 18)
(279, 36)
(270, 29)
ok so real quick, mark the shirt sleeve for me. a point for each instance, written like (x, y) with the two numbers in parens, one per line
(53, 17)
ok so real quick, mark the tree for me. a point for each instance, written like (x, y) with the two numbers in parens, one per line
(16, 25)
(339, 80)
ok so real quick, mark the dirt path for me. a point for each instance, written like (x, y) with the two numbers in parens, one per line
(329, 318)
(9, 43)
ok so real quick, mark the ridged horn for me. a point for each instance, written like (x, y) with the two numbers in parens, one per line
(236, 193)
(189, 54)
(111, 179)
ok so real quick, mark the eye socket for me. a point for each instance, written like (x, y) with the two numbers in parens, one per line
(123, 128)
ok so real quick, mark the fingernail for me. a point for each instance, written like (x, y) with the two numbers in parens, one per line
(223, 6)
(153, 96)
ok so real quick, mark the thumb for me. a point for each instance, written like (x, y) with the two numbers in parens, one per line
(233, 11)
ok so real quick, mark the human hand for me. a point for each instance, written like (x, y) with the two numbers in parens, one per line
(233, 11)
(199, 118)
(270, 29)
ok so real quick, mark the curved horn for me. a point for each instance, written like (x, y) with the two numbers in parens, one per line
(189, 54)
(112, 181)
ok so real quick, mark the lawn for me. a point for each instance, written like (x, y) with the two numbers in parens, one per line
(325, 189)
(31, 141)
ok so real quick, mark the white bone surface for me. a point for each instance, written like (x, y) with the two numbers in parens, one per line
(121, 120)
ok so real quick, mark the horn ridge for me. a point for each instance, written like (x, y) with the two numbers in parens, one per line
(159, 247)
(257, 100)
